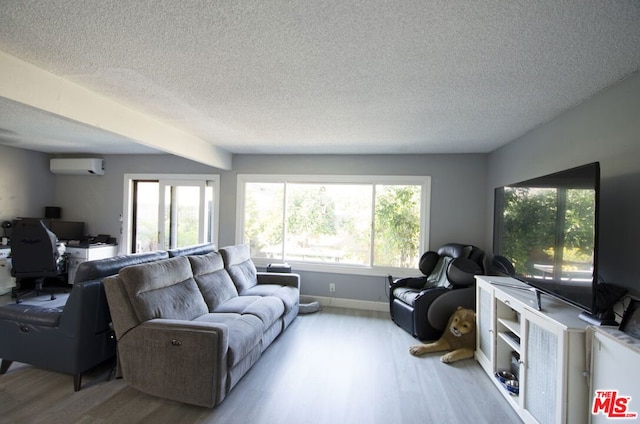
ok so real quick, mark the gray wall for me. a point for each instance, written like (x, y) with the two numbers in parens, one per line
(98, 199)
(606, 128)
(457, 203)
(26, 185)
(457, 185)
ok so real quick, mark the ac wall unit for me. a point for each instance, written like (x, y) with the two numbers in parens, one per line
(77, 166)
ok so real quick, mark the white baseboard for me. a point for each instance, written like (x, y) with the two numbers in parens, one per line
(347, 303)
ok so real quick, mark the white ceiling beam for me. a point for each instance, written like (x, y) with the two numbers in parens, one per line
(25, 83)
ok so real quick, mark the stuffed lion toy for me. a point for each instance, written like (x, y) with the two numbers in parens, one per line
(459, 338)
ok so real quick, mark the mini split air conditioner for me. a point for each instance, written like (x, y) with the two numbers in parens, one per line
(77, 166)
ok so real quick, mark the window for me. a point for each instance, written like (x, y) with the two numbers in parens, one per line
(357, 224)
(169, 211)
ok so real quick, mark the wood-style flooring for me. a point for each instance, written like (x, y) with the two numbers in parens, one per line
(334, 366)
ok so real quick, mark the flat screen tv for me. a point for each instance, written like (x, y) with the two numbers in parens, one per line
(547, 228)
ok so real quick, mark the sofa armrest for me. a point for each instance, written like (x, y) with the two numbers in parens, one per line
(37, 316)
(281, 278)
(176, 327)
(180, 360)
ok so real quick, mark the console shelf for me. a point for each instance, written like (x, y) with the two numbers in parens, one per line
(511, 339)
(511, 324)
(544, 349)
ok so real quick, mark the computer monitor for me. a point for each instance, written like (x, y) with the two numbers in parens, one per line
(66, 230)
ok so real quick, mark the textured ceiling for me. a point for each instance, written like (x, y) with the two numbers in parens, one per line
(369, 76)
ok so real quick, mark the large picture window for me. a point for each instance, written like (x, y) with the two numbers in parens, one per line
(328, 222)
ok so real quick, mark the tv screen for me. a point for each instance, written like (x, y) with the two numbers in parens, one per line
(547, 227)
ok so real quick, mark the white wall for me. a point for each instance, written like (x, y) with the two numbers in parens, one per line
(606, 128)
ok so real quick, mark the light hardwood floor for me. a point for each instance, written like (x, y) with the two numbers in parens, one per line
(334, 366)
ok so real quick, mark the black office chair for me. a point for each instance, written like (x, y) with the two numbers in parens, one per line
(34, 255)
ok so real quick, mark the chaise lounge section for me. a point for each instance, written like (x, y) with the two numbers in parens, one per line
(189, 327)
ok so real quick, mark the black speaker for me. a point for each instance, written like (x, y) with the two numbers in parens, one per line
(52, 212)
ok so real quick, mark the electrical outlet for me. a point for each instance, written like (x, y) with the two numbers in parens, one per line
(332, 287)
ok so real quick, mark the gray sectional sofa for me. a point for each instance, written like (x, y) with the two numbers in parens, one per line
(189, 327)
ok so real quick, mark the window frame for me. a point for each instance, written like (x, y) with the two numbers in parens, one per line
(127, 211)
(425, 210)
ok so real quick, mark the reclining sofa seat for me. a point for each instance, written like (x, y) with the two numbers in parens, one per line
(185, 332)
(72, 338)
(424, 310)
(250, 282)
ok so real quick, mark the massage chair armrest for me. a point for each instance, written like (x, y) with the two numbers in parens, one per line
(434, 306)
(398, 282)
(461, 272)
(281, 278)
(421, 306)
(406, 282)
(445, 305)
(427, 297)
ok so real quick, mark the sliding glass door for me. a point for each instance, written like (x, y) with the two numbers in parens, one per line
(146, 229)
(170, 213)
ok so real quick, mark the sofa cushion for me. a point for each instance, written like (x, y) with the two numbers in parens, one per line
(238, 263)
(212, 279)
(245, 333)
(267, 309)
(288, 295)
(163, 289)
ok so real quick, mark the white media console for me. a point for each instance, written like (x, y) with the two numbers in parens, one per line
(545, 348)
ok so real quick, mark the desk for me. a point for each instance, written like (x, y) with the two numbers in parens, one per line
(75, 254)
(79, 254)
(7, 282)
